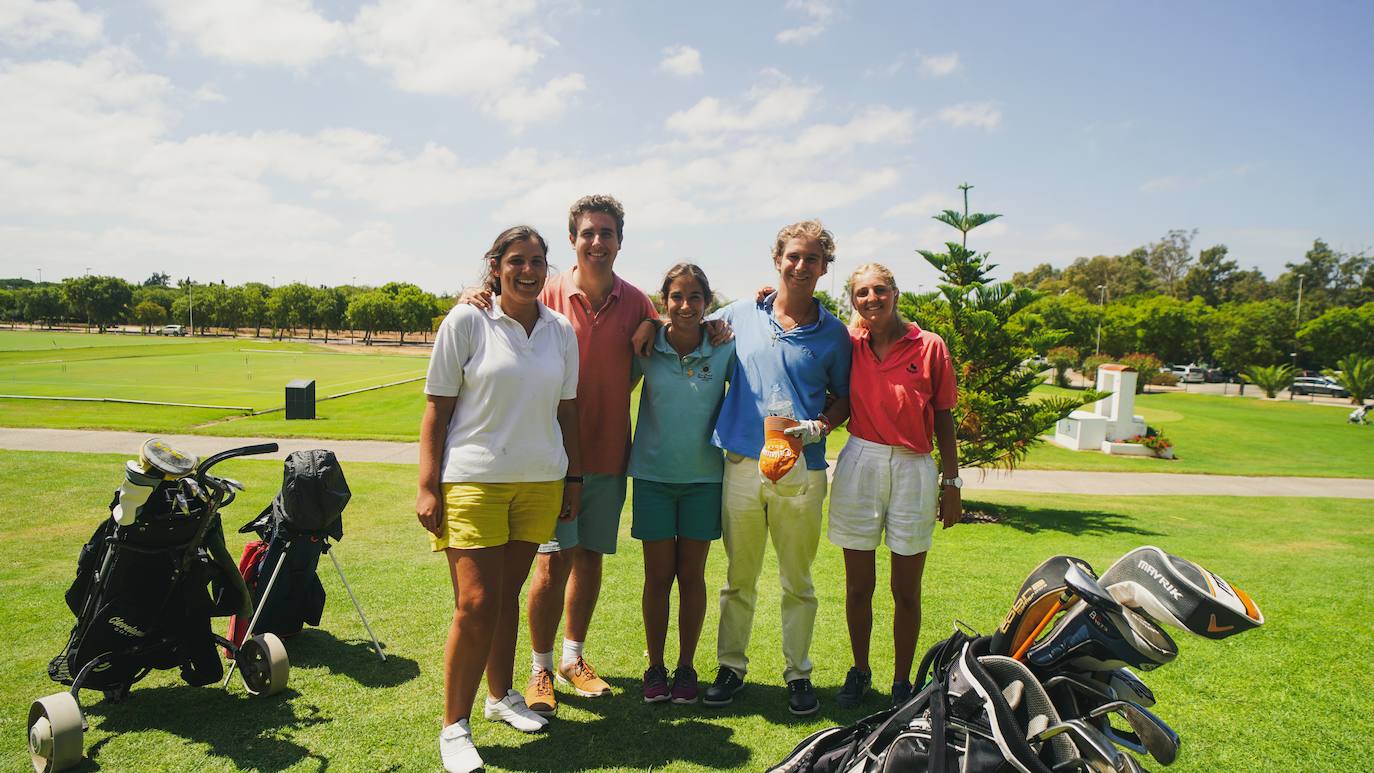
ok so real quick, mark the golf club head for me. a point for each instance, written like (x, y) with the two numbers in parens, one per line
(1129, 687)
(1038, 594)
(1087, 588)
(1074, 694)
(1180, 593)
(1155, 735)
(1087, 638)
(1093, 747)
(156, 455)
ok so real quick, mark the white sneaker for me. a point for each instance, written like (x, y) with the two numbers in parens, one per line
(456, 749)
(513, 711)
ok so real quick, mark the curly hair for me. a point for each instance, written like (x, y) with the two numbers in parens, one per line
(597, 202)
(517, 233)
(811, 229)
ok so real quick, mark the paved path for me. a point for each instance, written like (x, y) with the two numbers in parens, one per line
(1047, 481)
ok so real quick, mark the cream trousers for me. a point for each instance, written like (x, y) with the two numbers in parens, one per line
(751, 515)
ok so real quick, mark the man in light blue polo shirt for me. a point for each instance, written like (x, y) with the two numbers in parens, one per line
(790, 353)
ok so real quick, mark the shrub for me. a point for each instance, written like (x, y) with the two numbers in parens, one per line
(1270, 378)
(1164, 378)
(1061, 358)
(1147, 366)
(1155, 441)
(1356, 374)
(1092, 363)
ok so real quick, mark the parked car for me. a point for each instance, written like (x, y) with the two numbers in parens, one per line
(172, 330)
(1318, 385)
(1188, 374)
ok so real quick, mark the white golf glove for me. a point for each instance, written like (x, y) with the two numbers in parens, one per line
(808, 430)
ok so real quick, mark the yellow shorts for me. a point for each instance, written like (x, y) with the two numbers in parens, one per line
(484, 515)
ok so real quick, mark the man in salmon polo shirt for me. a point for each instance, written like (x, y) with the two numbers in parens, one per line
(605, 312)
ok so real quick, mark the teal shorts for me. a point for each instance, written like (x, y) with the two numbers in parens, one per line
(597, 526)
(668, 510)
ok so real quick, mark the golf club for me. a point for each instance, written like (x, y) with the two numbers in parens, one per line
(1155, 735)
(1129, 687)
(1094, 747)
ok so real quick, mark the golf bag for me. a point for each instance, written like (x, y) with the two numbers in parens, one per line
(974, 715)
(140, 594)
(293, 531)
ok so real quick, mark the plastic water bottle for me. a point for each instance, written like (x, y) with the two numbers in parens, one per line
(779, 404)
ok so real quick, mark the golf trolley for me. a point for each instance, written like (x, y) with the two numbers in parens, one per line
(141, 601)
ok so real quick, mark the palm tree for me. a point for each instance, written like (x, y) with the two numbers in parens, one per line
(1271, 378)
(1356, 374)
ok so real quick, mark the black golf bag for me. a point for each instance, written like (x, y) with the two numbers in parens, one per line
(293, 531)
(974, 715)
(145, 590)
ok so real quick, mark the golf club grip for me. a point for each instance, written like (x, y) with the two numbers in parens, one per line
(1026, 645)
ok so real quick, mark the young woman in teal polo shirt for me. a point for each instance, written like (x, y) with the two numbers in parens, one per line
(677, 476)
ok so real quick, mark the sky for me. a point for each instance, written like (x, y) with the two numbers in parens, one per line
(391, 140)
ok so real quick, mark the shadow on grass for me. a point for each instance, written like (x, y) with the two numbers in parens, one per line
(233, 726)
(353, 658)
(1074, 522)
(628, 733)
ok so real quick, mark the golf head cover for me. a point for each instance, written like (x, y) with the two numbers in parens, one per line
(1033, 601)
(1088, 638)
(1180, 593)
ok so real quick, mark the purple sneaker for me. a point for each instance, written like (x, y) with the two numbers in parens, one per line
(656, 684)
(685, 685)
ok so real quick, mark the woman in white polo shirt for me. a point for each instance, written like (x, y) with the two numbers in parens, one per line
(499, 466)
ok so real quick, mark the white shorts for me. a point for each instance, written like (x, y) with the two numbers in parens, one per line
(880, 488)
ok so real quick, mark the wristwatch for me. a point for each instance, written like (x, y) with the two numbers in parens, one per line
(573, 479)
(956, 482)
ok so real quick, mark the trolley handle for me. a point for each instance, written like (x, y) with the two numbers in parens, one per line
(262, 448)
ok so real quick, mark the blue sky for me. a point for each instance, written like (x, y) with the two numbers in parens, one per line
(291, 140)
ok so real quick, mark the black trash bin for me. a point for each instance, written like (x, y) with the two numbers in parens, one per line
(300, 399)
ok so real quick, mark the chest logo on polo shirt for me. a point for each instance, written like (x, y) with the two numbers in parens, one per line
(911, 368)
(704, 374)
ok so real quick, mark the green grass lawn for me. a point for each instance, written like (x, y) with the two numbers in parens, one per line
(35, 340)
(221, 372)
(1235, 436)
(1291, 695)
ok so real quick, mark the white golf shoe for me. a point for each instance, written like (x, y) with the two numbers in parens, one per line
(513, 711)
(456, 749)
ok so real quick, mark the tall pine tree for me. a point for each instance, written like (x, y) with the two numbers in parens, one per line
(997, 420)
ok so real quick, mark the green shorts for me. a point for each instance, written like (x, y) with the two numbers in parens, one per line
(597, 526)
(668, 510)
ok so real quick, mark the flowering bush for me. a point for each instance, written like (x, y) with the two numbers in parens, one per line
(1155, 441)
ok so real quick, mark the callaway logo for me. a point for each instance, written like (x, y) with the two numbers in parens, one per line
(1212, 626)
(1163, 581)
(121, 625)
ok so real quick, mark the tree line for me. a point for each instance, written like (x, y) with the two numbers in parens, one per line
(103, 301)
(1163, 299)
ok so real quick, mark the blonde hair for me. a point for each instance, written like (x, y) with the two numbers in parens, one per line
(811, 229)
(885, 274)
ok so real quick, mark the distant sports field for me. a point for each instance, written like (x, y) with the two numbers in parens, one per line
(242, 373)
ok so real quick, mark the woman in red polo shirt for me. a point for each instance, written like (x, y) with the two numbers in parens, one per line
(901, 389)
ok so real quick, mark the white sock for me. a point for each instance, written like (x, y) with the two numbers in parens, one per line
(542, 660)
(572, 650)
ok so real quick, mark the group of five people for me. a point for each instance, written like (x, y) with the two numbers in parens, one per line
(526, 449)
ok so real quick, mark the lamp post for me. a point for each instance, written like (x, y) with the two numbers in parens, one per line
(40, 275)
(190, 308)
(1102, 301)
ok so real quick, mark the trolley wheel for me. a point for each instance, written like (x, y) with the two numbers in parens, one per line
(262, 661)
(55, 734)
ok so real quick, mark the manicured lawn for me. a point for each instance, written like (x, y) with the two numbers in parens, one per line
(1290, 695)
(33, 340)
(1235, 436)
(251, 374)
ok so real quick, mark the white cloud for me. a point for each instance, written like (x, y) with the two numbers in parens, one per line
(819, 13)
(938, 66)
(26, 23)
(260, 32)
(867, 244)
(926, 205)
(774, 106)
(681, 61)
(1177, 182)
(520, 106)
(982, 115)
(208, 94)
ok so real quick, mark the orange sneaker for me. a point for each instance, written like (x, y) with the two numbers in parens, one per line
(539, 694)
(583, 679)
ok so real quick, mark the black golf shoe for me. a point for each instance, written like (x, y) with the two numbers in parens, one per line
(723, 690)
(801, 698)
(856, 684)
(901, 692)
